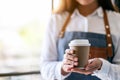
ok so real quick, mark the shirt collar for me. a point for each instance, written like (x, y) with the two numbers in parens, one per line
(98, 12)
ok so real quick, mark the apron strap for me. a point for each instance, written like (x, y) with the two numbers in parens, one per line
(108, 35)
(61, 34)
(107, 29)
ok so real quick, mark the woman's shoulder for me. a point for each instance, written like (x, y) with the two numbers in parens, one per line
(59, 16)
(56, 21)
(114, 15)
(56, 18)
(114, 20)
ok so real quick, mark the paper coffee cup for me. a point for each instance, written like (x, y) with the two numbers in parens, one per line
(81, 48)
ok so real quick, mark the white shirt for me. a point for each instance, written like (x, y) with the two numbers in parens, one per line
(51, 68)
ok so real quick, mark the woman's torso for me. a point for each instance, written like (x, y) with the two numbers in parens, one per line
(86, 29)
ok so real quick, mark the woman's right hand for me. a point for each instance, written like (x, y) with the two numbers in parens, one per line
(69, 61)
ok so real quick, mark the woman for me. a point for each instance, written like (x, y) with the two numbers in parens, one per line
(95, 20)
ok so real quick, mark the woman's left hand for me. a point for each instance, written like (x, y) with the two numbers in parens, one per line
(93, 65)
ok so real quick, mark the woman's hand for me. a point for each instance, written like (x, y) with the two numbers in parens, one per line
(69, 61)
(93, 65)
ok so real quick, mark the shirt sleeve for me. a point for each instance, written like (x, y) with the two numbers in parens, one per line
(50, 68)
(110, 71)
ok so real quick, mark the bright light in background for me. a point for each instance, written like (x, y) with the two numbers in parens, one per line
(22, 24)
(56, 3)
(14, 13)
(26, 18)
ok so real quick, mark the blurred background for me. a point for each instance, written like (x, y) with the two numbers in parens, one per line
(22, 26)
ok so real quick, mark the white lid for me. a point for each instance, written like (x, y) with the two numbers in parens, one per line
(79, 42)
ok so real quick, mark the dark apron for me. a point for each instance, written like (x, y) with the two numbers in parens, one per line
(99, 41)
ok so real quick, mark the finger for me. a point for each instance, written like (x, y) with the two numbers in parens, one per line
(91, 66)
(92, 69)
(69, 51)
(68, 62)
(81, 71)
(70, 57)
(67, 68)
